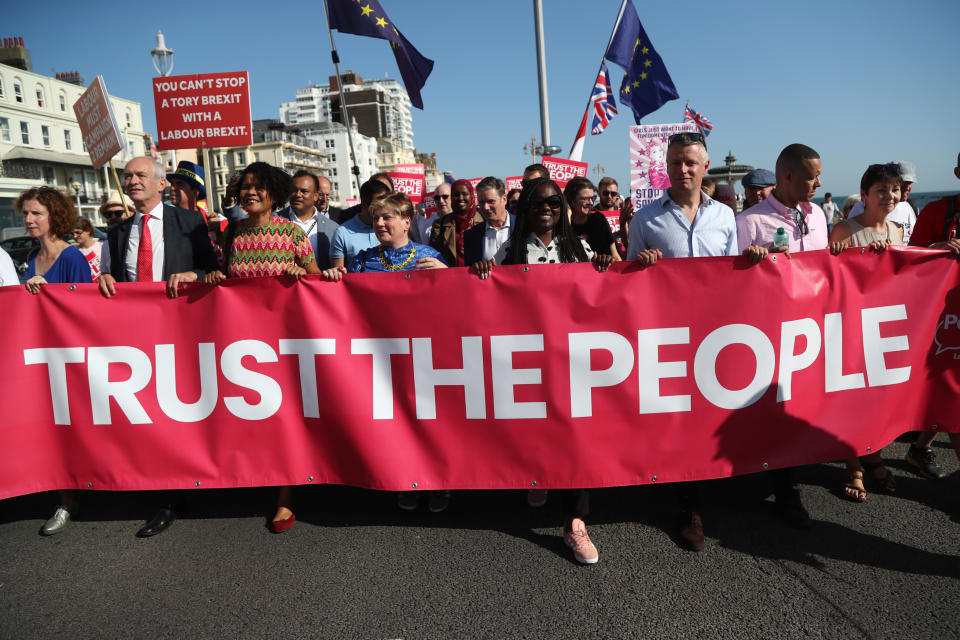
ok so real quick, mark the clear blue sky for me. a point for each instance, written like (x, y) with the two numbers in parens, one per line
(860, 81)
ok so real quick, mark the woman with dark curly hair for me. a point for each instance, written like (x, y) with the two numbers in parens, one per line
(543, 234)
(265, 245)
(48, 215)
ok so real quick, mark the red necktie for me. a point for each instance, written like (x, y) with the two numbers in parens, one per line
(145, 253)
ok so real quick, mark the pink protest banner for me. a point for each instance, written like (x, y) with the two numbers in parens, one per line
(740, 368)
(514, 182)
(429, 205)
(409, 179)
(648, 160)
(209, 109)
(98, 124)
(563, 171)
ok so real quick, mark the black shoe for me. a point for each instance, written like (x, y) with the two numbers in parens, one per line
(690, 530)
(924, 462)
(159, 523)
(792, 511)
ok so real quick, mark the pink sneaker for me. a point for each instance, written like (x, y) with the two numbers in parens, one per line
(577, 539)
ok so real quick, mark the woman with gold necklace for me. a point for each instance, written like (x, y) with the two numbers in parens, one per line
(391, 219)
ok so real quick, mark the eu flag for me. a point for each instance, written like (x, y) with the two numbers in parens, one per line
(367, 18)
(646, 85)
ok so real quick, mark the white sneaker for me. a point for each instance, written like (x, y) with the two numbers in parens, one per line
(577, 539)
(537, 497)
(58, 521)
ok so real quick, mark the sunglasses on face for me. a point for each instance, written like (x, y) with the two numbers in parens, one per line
(445, 196)
(113, 213)
(608, 193)
(554, 202)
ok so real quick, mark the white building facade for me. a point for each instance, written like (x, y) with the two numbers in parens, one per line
(40, 142)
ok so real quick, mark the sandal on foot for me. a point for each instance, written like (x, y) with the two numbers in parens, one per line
(851, 491)
(884, 481)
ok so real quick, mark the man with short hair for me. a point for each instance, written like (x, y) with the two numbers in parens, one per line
(789, 207)
(902, 214)
(158, 243)
(757, 185)
(116, 209)
(609, 193)
(534, 171)
(324, 191)
(487, 240)
(356, 234)
(684, 223)
(831, 210)
(420, 230)
(303, 212)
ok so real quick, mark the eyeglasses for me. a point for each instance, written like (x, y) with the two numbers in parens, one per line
(609, 193)
(801, 221)
(113, 213)
(445, 196)
(554, 202)
(687, 137)
(77, 232)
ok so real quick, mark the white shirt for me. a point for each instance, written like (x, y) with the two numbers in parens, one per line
(902, 214)
(494, 240)
(537, 253)
(156, 238)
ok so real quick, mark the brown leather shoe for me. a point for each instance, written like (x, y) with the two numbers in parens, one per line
(691, 530)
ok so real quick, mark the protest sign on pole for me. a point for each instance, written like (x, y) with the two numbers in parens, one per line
(204, 110)
(648, 160)
(514, 182)
(98, 126)
(409, 179)
(429, 204)
(562, 170)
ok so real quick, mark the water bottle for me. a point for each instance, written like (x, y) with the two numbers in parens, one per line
(780, 238)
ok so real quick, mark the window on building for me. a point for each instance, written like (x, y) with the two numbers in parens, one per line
(1, 87)
(17, 92)
(333, 157)
(40, 100)
(219, 160)
(219, 179)
(256, 156)
(334, 171)
(24, 132)
(4, 129)
(131, 149)
(48, 175)
(66, 140)
(129, 121)
(45, 134)
(63, 102)
(241, 157)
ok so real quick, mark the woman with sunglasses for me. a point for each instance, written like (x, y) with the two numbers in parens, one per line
(89, 246)
(544, 235)
(589, 224)
(47, 216)
(265, 245)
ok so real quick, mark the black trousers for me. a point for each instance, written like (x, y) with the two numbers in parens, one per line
(575, 502)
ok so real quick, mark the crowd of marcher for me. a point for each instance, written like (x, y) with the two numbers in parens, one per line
(275, 225)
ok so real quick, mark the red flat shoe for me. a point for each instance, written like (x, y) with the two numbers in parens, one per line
(279, 526)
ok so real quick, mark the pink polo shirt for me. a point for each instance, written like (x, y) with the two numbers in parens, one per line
(758, 224)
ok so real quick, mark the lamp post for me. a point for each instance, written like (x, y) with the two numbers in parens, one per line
(76, 186)
(162, 57)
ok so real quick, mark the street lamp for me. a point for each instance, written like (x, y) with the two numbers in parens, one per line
(76, 186)
(535, 149)
(162, 57)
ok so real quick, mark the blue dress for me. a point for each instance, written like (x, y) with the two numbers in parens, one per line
(70, 266)
(368, 260)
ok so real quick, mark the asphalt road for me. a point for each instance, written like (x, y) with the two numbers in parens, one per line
(354, 566)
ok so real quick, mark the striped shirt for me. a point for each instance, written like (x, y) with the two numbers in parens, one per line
(263, 251)
(663, 225)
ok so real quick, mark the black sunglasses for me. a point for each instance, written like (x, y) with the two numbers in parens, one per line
(113, 213)
(554, 202)
(801, 222)
(687, 137)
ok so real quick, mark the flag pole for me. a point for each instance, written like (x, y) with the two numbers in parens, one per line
(623, 7)
(343, 100)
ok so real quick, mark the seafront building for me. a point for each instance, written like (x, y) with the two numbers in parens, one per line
(40, 141)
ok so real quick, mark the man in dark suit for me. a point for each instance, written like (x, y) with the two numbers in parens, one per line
(159, 243)
(488, 239)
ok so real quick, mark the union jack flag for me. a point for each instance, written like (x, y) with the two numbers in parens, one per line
(703, 124)
(604, 106)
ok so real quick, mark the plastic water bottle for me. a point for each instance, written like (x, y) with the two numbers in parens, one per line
(780, 238)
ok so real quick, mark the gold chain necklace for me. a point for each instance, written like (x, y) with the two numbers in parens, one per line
(395, 267)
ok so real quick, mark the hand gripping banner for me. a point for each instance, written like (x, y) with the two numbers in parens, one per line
(557, 374)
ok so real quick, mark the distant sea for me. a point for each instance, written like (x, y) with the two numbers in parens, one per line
(921, 199)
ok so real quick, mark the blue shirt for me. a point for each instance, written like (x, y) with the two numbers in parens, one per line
(352, 237)
(368, 260)
(70, 266)
(663, 225)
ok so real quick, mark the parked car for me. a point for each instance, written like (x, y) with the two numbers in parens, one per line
(20, 248)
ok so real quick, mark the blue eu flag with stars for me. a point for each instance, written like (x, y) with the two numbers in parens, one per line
(646, 85)
(367, 18)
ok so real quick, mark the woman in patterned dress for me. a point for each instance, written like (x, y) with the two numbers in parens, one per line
(265, 245)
